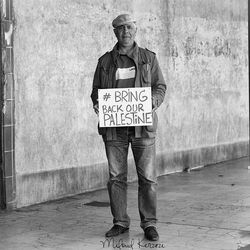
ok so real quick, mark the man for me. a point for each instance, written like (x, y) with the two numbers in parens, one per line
(127, 66)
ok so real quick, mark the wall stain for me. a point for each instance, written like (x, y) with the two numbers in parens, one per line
(219, 46)
(247, 247)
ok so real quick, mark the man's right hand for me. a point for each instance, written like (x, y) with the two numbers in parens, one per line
(96, 108)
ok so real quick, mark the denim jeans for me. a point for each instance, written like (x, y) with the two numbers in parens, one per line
(144, 155)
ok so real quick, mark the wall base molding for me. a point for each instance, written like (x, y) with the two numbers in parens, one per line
(49, 185)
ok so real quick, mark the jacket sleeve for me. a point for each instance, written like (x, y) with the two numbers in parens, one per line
(158, 84)
(96, 85)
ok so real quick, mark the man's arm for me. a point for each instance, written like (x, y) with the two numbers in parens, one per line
(96, 86)
(158, 84)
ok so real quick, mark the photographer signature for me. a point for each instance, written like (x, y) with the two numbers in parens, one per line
(120, 244)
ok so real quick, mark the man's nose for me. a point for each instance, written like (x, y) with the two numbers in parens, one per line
(125, 29)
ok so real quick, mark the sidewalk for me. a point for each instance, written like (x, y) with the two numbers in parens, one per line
(205, 209)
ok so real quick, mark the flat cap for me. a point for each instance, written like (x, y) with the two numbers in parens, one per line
(122, 19)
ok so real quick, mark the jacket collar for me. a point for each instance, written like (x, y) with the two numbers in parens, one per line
(133, 53)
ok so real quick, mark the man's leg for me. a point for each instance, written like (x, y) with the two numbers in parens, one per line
(144, 155)
(117, 152)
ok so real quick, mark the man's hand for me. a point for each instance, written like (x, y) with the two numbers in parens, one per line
(96, 108)
(154, 106)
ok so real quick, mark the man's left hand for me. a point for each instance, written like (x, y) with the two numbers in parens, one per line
(154, 106)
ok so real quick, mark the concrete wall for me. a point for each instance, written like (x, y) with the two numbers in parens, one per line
(203, 52)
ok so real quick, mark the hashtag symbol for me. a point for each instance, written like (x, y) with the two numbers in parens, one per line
(106, 97)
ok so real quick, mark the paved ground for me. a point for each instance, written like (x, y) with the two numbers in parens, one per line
(206, 209)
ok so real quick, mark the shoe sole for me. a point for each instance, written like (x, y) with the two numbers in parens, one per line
(122, 232)
(155, 239)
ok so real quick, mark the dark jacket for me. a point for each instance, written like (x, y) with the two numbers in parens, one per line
(148, 74)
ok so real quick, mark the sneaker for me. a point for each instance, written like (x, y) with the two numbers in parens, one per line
(151, 233)
(116, 230)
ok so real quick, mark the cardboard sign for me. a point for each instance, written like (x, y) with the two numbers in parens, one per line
(124, 107)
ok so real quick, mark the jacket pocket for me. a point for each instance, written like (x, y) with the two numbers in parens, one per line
(146, 74)
(101, 130)
(153, 127)
(104, 77)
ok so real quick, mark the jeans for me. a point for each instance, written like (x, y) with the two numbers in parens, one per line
(144, 155)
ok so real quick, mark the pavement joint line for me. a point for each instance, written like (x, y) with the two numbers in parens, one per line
(192, 225)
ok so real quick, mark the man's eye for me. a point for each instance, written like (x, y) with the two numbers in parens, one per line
(129, 27)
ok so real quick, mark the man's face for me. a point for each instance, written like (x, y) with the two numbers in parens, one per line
(126, 34)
